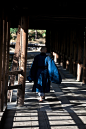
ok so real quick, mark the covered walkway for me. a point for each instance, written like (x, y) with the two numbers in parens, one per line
(63, 108)
(65, 25)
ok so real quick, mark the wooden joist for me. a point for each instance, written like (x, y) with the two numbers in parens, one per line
(16, 72)
(15, 87)
(12, 46)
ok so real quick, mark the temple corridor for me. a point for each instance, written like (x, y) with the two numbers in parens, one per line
(63, 108)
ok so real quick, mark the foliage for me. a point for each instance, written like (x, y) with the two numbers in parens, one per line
(13, 30)
(10, 36)
(40, 34)
(31, 33)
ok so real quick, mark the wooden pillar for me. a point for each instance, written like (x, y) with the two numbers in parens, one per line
(80, 52)
(68, 48)
(84, 59)
(48, 40)
(55, 48)
(59, 46)
(62, 46)
(75, 53)
(3, 64)
(1, 43)
(52, 40)
(71, 51)
(7, 58)
(24, 38)
(65, 47)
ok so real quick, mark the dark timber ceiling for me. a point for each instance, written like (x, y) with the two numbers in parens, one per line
(48, 14)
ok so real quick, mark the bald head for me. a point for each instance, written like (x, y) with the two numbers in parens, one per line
(44, 49)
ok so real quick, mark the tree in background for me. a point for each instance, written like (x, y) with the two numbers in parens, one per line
(36, 34)
(32, 34)
(13, 32)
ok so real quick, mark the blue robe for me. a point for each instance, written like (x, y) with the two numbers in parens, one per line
(42, 72)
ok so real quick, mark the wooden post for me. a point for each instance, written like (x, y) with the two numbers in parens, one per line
(52, 40)
(55, 48)
(80, 52)
(3, 63)
(48, 40)
(24, 37)
(6, 73)
(7, 59)
(75, 53)
(57, 56)
(59, 46)
(1, 43)
(71, 51)
(84, 59)
(65, 47)
(62, 46)
(68, 49)
(35, 34)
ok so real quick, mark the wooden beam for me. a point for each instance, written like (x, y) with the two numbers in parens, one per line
(16, 72)
(15, 87)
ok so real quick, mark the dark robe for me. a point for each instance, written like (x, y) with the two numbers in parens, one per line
(43, 70)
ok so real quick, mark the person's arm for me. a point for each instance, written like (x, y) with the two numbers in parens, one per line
(54, 74)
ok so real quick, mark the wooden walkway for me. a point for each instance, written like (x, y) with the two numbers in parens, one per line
(63, 108)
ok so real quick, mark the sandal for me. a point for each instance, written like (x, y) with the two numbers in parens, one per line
(41, 100)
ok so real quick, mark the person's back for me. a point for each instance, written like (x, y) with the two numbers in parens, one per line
(42, 72)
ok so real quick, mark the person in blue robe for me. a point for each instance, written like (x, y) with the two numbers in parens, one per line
(43, 71)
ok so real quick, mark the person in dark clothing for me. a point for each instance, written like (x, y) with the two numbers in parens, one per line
(42, 72)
